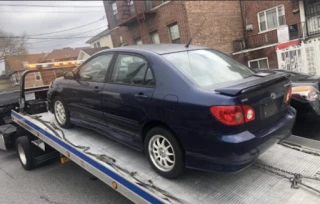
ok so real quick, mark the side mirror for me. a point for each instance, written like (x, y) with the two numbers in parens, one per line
(69, 75)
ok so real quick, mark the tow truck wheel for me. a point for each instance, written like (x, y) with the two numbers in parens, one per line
(25, 153)
(164, 152)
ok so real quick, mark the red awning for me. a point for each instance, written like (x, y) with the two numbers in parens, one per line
(287, 44)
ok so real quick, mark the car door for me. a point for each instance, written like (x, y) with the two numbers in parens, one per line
(84, 93)
(127, 94)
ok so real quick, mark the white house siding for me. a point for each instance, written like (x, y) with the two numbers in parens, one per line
(104, 41)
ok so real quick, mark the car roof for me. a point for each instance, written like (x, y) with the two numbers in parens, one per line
(158, 48)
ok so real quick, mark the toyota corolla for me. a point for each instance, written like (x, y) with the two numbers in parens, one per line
(183, 106)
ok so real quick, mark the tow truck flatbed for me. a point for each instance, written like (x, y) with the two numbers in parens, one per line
(128, 172)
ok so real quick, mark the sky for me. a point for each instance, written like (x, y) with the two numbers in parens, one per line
(35, 20)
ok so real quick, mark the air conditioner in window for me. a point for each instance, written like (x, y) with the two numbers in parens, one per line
(249, 27)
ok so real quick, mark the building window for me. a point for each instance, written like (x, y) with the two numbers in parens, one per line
(148, 4)
(174, 33)
(37, 76)
(132, 9)
(155, 37)
(97, 44)
(115, 12)
(25, 64)
(138, 41)
(261, 63)
(15, 79)
(272, 18)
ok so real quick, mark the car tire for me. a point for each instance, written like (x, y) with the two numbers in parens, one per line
(25, 153)
(60, 108)
(164, 152)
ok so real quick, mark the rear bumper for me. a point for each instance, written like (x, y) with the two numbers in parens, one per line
(239, 151)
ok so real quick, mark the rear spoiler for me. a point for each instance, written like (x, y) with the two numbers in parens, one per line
(245, 87)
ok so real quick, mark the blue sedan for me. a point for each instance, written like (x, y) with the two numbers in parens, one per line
(183, 106)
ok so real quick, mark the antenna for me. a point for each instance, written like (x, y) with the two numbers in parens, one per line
(187, 45)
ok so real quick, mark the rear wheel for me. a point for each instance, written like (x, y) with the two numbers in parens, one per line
(164, 152)
(25, 153)
(61, 112)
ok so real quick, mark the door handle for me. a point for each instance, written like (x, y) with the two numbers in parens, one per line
(141, 95)
(96, 89)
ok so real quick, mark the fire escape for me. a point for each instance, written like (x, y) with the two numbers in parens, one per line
(130, 15)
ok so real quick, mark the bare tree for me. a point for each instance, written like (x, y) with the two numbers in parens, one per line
(11, 44)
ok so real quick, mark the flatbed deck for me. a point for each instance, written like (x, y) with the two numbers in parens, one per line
(252, 185)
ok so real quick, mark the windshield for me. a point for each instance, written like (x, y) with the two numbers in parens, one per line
(208, 67)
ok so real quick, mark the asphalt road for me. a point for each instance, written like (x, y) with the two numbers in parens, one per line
(53, 183)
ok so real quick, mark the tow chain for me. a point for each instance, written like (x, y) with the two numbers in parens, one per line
(299, 148)
(294, 178)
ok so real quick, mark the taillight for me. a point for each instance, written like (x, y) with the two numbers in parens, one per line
(288, 95)
(305, 92)
(233, 115)
(248, 113)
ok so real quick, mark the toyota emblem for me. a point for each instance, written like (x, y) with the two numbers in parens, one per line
(273, 96)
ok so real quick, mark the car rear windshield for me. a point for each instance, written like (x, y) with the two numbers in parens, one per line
(208, 67)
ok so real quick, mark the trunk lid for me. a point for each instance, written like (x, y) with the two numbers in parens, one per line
(265, 93)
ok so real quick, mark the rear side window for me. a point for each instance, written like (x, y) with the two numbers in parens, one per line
(132, 70)
(208, 67)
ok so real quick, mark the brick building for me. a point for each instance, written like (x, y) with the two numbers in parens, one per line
(262, 19)
(16, 65)
(146, 22)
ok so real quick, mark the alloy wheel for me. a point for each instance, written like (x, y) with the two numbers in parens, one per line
(161, 153)
(60, 112)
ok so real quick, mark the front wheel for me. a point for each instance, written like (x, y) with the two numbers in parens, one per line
(164, 153)
(25, 153)
(61, 112)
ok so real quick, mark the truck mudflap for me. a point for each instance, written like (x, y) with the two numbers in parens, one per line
(6, 133)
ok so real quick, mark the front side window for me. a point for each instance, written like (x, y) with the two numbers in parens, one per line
(259, 63)
(155, 38)
(132, 70)
(208, 67)
(96, 69)
(271, 18)
(174, 33)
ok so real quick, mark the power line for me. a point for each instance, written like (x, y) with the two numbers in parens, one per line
(16, 37)
(51, 12)
(69, 28)
(54, 40)
(48, 6)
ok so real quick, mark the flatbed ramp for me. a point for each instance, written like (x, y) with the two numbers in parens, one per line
(130, 174)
